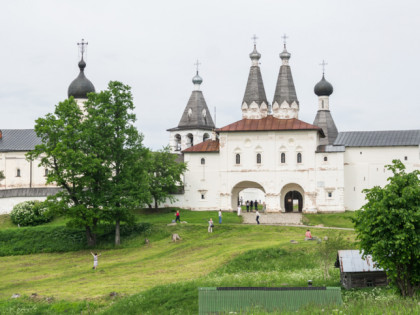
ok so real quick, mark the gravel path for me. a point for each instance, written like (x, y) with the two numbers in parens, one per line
(273, 218)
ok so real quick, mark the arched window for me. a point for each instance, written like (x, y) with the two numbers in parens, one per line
(299, 157)
(18, 172)
(206, 137)
(177, 142)
(325, 159)
(283, 158)
(258, 158)
(190, 140)
(203, 161)
(238, 159)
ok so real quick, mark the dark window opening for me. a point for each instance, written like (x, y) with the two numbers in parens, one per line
(18, 172)
(299, 157)
(283, 158)
(258, 158)
(325, 159)
(406, 158)
(238, 159)
(202, 196)
(329, 194)
(203, 161)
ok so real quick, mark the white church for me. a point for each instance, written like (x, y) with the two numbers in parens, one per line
(294, 166)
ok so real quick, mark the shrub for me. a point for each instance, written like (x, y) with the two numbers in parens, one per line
(30, 213)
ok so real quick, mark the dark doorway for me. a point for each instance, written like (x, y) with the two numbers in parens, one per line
(293, 201)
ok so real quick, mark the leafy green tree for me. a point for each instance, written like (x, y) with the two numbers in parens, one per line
(388, 227)
(165, 175)
(66, 154)
(115, 141)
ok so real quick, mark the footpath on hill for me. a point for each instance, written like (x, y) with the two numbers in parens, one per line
(289, 219)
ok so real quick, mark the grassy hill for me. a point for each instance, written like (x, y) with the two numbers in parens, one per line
(162, 277)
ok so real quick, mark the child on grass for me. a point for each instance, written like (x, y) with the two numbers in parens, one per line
(95, 260)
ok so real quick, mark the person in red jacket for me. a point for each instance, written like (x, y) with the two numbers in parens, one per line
(177, 216)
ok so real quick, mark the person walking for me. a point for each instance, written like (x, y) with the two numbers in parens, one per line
(257, 214)
(177, 216)
(95, 260)
(220, 216)
(247, 206)
(211, 226)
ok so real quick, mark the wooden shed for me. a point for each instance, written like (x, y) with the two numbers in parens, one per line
(356, 272)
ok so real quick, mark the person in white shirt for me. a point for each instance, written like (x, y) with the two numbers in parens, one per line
(220, 216)
(257, 216)
(211, 225)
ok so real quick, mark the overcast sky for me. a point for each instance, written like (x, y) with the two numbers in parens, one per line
(372, 49)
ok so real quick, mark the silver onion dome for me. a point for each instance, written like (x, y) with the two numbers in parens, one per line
(255, 54)
(323, 87)
(285, 54)
(197, 79)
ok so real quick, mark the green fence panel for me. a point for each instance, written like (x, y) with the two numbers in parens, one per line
(224, 300)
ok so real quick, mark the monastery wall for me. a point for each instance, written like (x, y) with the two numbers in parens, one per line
(364, 167)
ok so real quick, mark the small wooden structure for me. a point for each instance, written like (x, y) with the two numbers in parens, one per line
(356, 272)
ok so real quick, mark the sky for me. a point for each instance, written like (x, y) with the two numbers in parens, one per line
(372, 49)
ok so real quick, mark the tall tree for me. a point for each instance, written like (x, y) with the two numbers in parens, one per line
(118, 144)
(388, 227)
(71, 165)
(165, 175)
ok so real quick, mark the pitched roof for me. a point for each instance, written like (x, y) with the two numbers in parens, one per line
(285, 88)
(18, 140)
(269, 123)
(254, 91)
(193, 117)
(324, 120)
(205, 146)
(378, 138)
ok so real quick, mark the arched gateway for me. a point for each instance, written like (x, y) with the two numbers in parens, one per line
(241, 186)
(291, 198)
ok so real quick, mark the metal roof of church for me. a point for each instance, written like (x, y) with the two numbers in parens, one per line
(205, 146)
(18, 140)
(378, 138)
(269, 123)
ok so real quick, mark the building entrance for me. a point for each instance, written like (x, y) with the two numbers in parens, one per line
(293, 201)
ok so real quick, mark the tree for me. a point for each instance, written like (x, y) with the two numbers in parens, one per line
(165, 174)
(65, 153)
(117, 143)
(327, 250)
(388, 227)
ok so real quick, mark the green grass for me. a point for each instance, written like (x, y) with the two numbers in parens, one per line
(342, 220)
(162, 277)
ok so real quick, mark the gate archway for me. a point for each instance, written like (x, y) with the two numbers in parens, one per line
(244, 185)
(292, 198)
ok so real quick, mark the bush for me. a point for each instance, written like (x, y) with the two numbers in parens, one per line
(30, 213)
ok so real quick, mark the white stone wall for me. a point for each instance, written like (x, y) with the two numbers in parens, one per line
(7, 204)
(30, 174)
(364, 167)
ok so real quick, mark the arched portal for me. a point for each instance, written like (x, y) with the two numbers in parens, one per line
(291, 198)
(253, 189)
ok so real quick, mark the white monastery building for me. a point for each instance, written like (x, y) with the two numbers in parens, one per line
(269, 155)
(297, 166)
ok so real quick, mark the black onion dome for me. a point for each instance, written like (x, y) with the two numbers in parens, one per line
(80, 86)
(323, 88)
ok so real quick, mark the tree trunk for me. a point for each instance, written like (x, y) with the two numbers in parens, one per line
(150, 205)
(156, 204)
(117, 232)
(90, 237)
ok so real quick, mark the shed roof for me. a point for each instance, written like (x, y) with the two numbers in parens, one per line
(351, 261)
(205, 146)
(378, 138)
(18, 140)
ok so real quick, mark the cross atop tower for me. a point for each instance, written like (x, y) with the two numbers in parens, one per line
(254, 38)
(197, 63)
(82, 47)
(323, 64)
(284, 39)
